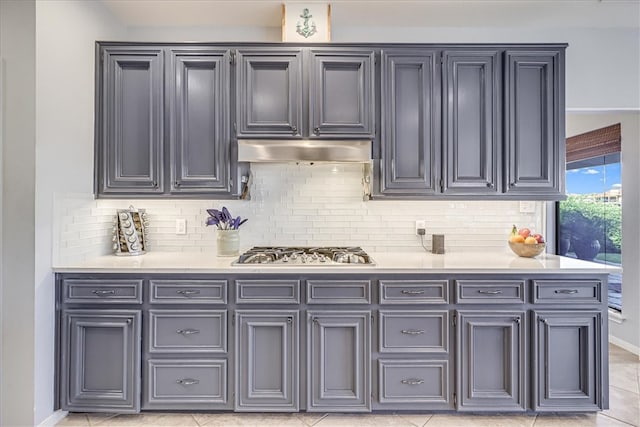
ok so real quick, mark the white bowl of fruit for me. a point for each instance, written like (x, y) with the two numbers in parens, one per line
(526, 244)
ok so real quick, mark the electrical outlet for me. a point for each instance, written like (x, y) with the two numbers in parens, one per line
(421, 227)
(181, 226)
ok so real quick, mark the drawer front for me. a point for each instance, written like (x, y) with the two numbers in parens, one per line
(338, 291)
(413, 381)
(268, 291)
(116, 291)
(414, 292)
(414, 331)
(193, 331)
(566, 291)
(185, 381)
(489, 291)
(188, 291)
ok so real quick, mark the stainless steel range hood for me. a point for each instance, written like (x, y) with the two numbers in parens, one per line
(304, 150)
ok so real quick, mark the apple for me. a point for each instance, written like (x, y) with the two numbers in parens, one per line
(539, 238)
(524, 232)
(530, 240)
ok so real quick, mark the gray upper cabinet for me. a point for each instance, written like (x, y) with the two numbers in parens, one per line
(130, 129)
(410, 122)
(338, 361)
(269, 93)
(491, 360)
(267, 370)
(568, 350)
(199, 121)
(471, 121)
(100, 353)
(534, 122)
(342, 93)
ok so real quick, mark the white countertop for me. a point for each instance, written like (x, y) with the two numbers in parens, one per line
(455, 262)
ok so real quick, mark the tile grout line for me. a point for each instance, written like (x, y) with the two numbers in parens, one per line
(619, 420)
(195, 420)
(325, 415)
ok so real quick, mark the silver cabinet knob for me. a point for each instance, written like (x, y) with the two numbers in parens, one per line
(294, 129)
(316, 131)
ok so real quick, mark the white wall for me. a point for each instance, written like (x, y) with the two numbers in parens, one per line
(17, 56)
(65, 54)
(577, 123)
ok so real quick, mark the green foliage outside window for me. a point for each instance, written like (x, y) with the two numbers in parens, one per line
(582, 218)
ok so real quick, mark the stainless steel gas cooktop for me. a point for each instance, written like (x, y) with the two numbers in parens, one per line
(320, 256)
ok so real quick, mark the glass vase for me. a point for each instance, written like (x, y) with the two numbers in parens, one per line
(228, 242)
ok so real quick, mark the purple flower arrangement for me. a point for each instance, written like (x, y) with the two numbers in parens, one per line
(223, 219)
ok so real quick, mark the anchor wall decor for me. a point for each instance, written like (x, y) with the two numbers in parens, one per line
(306, 22)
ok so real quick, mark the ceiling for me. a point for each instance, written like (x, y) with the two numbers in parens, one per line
(416, 13)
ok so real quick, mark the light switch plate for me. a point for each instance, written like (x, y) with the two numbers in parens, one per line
(528, 207)
(181, 226)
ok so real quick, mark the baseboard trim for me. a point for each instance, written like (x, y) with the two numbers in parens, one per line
(623, 344)
(53, 419)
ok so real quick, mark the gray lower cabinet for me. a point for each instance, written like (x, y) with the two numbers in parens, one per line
(199, 105)
(342, 93)
(416, 384)
(267, 369)
(338, 361)
(410, 122)
(269, 92)
(284, 343)
(471, 121)
(186, 384)
(100, 360)
(568, 353)
(130, 128)
(491, 359)
(534, 121)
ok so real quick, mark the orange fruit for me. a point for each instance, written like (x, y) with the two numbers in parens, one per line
(531, 240)
(517, 239)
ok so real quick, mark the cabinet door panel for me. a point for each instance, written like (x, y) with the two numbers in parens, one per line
(267, 370)
(472, 121)
(132, 125)
(492, 361)
(568, 350)
(101, 361)
(423, 382)
(342, 95)
(269, 87)
(534, 122)
(410, 123)
(199, 111)
(185, 384)
(339, 361)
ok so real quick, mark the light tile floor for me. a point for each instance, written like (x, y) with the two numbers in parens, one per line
(624, 394)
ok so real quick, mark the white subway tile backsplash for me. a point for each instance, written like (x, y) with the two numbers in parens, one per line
(303, 205)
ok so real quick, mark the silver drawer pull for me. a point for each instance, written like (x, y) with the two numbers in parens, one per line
(187, 331)
(413, 331)
(566, 291)
(408, 292)
(101, 292)
(413, 381)
(188, 381)
(496, 292)
(187, 292)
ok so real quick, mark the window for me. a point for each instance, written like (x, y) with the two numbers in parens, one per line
(590, 219)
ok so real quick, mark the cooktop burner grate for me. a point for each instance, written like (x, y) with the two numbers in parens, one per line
(322, 256)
